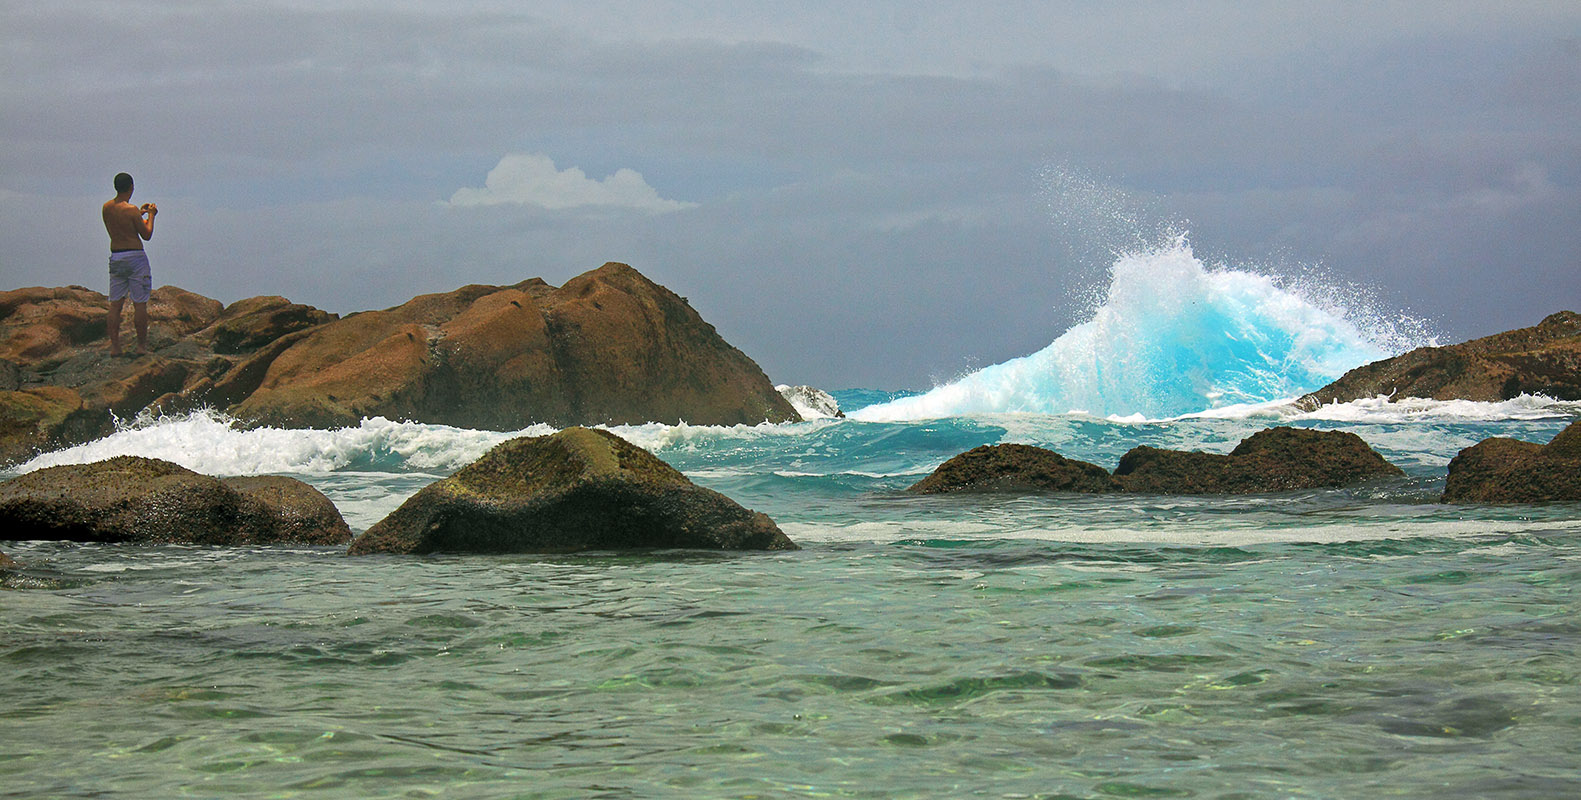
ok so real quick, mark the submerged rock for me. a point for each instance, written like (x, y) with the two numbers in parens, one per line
(811, 403)
(1016, 468)
(1544, 359)
(149, 501)
(1272, 460)
(1502, 470)
(579, 489)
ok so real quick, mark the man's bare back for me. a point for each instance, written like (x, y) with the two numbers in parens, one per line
(126, 223)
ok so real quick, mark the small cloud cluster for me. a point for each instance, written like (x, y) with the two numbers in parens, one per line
(534, 180)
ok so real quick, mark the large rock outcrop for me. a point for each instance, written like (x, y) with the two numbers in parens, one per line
(149, 501)
(1502, 470)
(609, 346)
(1273, 460)
(579, 489)
(1016, 468)
(1544, 359)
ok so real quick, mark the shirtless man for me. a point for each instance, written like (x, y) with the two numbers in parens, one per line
(129, 226)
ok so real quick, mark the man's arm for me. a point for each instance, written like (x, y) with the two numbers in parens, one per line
(145, 221)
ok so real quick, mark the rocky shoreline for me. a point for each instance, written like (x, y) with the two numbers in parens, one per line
(609, 347)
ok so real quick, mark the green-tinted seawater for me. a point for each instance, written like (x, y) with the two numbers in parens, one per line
(1365, 642)
(1421, 667)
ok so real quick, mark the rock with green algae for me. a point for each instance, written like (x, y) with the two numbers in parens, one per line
(1273, 460)
(579, 489)
(1502, 470)
(1016, 468)
(149, 501)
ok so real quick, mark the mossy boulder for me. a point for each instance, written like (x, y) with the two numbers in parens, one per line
(149, 501)
(1272, 460)
(579, 489)
(1016, 468)
(1502, 470)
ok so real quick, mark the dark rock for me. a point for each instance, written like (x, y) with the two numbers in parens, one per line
(1273, 460)
(1501, 470)
(1544, 359)
(1016, 468)
(6, 562)
(148, 501)
(300, 512)
(578, 489)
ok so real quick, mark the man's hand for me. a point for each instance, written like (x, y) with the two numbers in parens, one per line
(150, 209)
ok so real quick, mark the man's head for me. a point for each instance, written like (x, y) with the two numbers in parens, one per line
(123, 183)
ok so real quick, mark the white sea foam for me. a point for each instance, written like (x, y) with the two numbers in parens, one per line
(212, 443)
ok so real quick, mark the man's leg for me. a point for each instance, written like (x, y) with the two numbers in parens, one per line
(113, 324)
(140, 322)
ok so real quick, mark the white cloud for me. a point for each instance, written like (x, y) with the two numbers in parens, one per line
(533, 180)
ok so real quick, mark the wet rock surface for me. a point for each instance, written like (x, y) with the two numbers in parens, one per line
(1544, 359)
(579, 489)
(149, 501)
(1502, 470)
(1016, 468)
(1273, 460)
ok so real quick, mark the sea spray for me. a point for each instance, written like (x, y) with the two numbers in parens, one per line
(1171, 337)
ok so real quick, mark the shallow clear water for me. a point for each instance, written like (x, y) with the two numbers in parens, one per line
(1335, 644)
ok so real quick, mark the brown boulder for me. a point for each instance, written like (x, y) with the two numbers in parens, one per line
(59, 386)
(1502, 470)
(1272, 460)
(1544, 359)
(6, 562)
(148, 501)
(579, 489)
(1016, 468)
(609, 347)
(30, 419)
(247, 325)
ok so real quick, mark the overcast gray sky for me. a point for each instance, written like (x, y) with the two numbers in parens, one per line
(879, 194)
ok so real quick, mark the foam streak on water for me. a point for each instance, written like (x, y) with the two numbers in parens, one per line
(1172, 337)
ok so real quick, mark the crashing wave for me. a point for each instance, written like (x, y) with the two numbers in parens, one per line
(1172, 337)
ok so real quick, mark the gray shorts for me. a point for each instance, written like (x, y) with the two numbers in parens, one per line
(130, 276)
